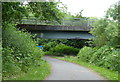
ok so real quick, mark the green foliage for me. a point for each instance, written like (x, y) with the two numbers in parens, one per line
(62, 49)
(75, 20)
(107, 41)
(19, 51)
(12, 12)
(9, 65)
(46, 11)
(34, 73)
(85, 53)
(106, 33)
(113, 12)
(105, 56)
(0, 56)
(76, 43)
(49, 43)
(106, 30)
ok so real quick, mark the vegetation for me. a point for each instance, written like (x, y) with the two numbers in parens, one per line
(21, 54)
(107, 47)
(34, 73)
(50, 43)
(15, 11)
(106, 30)
(47, 11)
(103, 53)
(0, 60)
(62, 49)
(105, 56)
(20, 51)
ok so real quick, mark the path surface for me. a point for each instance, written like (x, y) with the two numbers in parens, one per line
(61, 70)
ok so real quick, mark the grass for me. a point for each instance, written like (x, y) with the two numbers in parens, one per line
(35, 73)
(108, 74)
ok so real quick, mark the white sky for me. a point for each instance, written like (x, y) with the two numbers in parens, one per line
(91, 8)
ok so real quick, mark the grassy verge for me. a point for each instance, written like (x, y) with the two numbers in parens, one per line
(35, 73)
(108, 74)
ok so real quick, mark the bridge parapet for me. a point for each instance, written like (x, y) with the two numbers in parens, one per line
(76, 24)
(53, 27)
(66, 22)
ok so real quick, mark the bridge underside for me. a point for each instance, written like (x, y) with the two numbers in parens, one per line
(58, 32)
(62, 34)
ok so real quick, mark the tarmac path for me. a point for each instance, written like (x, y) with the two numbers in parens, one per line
(62, 70)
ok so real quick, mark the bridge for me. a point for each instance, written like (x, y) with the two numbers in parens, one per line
(69, 29)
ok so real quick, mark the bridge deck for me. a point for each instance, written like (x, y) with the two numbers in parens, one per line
(54, 27)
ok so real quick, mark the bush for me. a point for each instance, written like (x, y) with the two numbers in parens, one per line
(106, 32)
(19, 51)
(85, 53)
(105, 56)
(49, 45)
(62, 49)
(9, 65)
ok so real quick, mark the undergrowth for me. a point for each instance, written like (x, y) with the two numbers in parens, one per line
(34, 73)
(62, 49)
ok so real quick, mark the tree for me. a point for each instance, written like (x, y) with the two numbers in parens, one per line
(20, 51)
(106, 30)
(12, 11)
(15, 11)
(46, 11)
(113, 12)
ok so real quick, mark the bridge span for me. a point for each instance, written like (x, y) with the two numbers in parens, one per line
(70, 28)
(58, 31)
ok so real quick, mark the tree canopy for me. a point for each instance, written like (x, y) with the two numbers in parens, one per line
(106, 30)
(14, 11)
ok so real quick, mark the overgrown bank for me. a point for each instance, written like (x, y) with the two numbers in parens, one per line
(105, 56)
(34, 73)
(21, 55)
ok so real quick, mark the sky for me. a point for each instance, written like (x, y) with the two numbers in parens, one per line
(91, 8)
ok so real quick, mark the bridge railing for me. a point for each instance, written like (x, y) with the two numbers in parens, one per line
(66, 22)
(78, 22)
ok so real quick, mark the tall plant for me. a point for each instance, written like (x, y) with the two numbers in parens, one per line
(106, 30)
